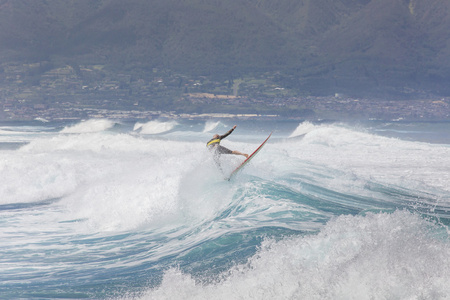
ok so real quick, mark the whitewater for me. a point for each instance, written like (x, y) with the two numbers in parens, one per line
(105, 209)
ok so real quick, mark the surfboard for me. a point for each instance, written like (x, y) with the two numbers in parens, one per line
(245, 162)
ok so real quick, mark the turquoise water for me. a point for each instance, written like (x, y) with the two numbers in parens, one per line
(137, 210)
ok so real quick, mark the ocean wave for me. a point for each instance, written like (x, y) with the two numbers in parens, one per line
(303, 128)
(155, 127)
(211, 125)
(56, 166)
(89, 126)
(373, 157)
(389, 256)
(341, 213)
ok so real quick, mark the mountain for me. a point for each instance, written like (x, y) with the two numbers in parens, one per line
(374, 47)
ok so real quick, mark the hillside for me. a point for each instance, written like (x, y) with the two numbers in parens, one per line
(387, 48)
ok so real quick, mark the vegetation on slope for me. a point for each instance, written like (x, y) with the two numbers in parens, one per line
(366, 47)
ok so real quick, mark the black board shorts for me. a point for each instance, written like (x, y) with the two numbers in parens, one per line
(222, 150)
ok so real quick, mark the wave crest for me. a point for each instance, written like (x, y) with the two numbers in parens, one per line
(155, 127)
(302, 129)
(378, 256)
(89, 126)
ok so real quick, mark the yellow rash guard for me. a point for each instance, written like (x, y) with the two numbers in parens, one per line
(214, 143)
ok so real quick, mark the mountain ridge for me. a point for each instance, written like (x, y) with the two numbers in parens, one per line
(379, 47)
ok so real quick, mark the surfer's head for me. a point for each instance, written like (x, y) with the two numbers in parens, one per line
(216, 136)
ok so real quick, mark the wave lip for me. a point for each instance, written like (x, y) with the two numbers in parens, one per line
(155, 127)
(211, 125)
(302, 129)
(89, 126)
(377, 256)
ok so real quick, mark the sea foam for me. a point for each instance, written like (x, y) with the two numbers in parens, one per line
(378, 256)
(155, 127)
(303, 128)
(93, 125)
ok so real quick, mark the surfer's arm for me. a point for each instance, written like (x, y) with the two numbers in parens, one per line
(228, 133)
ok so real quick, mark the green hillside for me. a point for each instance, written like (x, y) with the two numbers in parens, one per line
(362, 47)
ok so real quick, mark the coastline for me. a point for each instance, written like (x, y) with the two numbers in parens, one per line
(293, 108)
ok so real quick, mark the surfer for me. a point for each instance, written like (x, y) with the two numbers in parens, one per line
(214, 145)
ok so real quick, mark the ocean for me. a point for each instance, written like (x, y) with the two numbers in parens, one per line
(105, 209)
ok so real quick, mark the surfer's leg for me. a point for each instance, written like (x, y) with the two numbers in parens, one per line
(223, 150)
(239, 153)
